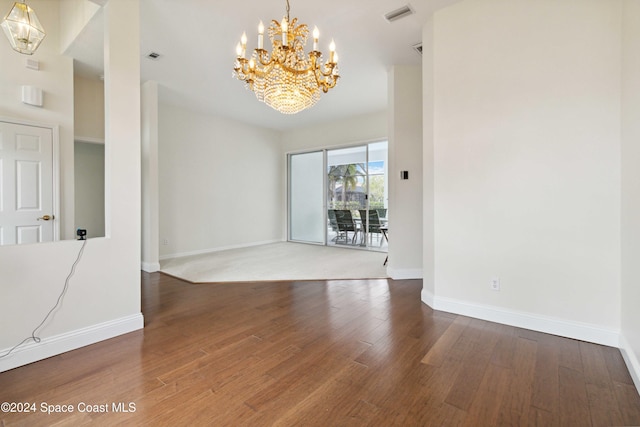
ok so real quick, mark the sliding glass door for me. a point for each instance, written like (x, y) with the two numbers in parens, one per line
(347, 191)
(306, 197)
(339, 196)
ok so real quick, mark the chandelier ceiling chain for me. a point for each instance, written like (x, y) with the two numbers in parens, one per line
(287, 79)
(23, 29)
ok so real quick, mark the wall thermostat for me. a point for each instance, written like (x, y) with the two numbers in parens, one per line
(32, 95)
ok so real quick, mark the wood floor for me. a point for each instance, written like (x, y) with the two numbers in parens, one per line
(342, 353)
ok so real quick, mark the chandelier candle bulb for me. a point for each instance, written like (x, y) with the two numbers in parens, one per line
(284, 27)
(23, 31)
(332, 52)
(316, 35)
(261, 35)
(243, 41)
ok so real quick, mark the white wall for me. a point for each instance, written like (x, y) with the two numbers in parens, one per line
(220, 183)
(103, 299)
(356, 129)
(630, 156)
(527, 170)
(405, 154)
(76, 13)
(89, 109)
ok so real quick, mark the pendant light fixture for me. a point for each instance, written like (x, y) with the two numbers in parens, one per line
(23, 29)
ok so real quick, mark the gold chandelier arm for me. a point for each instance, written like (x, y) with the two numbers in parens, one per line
(243, 65)
(295, 70)
(330, 67)
(244, 72)
(263, 57)
(327, 84)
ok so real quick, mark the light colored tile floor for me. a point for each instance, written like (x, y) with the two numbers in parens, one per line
(278, 261)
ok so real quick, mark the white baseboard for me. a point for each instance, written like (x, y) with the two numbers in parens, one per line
(564, 328)
(150, 267)
(427, 298)
(211, 250)
(630, 358)
(68, 341)
(404, 273)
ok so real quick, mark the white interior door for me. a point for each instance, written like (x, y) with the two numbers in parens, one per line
(26, 184)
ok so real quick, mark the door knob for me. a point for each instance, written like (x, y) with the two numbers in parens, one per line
(45, 217)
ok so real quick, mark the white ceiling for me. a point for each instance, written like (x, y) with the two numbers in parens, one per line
(197, 40)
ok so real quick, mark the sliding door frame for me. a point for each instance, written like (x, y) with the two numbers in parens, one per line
(324, 151)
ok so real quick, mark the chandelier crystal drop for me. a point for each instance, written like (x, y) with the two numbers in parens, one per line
(23, 29)
(286, 79)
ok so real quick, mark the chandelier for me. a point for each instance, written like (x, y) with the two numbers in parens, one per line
(22, 28)
(287, 79)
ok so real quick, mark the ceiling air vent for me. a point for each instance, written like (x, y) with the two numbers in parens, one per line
(418, 48)
(154, 56)
(398, 13)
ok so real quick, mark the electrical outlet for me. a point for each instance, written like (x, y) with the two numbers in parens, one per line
(165, 242)
(495, 284)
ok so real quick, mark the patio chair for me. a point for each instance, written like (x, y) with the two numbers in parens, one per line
(333, 223)
(374, 224)
(345, 225)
